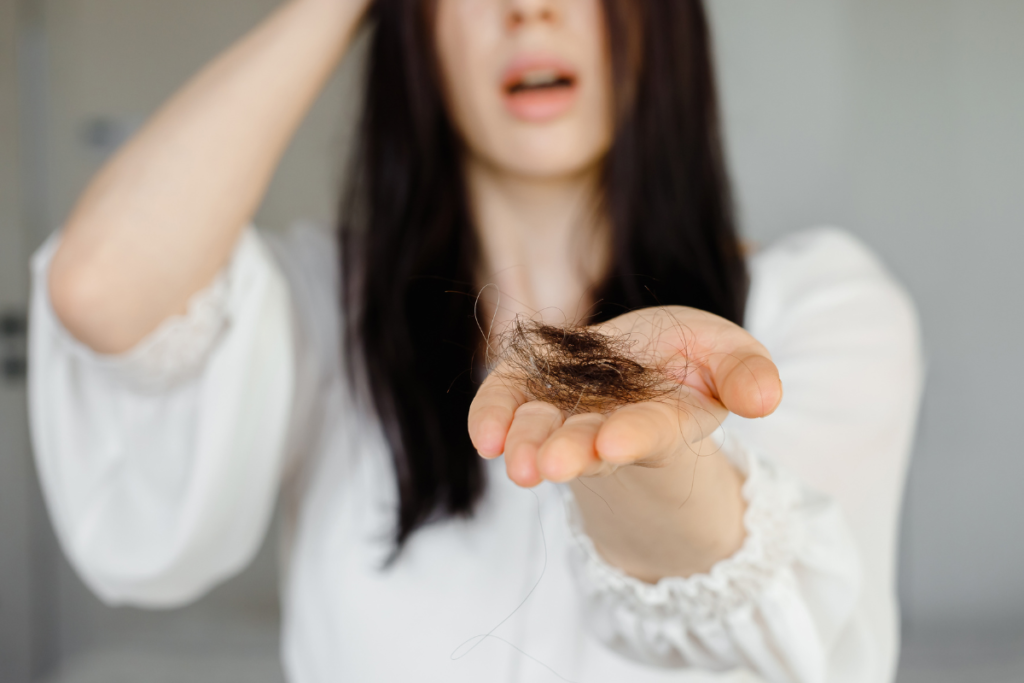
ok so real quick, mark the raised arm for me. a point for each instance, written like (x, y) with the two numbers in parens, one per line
(161, 218)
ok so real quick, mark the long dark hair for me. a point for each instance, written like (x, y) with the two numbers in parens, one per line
(409, 249)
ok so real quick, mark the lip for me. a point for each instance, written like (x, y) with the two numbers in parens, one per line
(538, 106)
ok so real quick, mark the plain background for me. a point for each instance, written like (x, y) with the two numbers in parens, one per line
(901, 120)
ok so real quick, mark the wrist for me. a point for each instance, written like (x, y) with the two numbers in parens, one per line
(676, 520)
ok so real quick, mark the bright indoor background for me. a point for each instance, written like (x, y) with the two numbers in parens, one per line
(901, 120)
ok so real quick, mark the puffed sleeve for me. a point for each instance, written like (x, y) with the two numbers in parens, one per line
(160, 466)
(810, 596)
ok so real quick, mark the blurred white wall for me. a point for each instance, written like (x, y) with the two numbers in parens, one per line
(902, 120)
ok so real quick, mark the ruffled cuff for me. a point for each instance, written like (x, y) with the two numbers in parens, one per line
(172, 353)
(752, 609)
(773, 534)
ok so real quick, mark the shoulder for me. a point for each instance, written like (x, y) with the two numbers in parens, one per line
(816, 257)
(826, 284)
(307, 254)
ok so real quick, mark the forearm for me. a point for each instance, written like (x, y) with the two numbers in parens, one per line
(161, 218)
(675, 520)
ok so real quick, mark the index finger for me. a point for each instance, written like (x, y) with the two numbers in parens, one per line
(491, 414)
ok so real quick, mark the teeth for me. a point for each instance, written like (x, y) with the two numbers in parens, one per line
(539, 77)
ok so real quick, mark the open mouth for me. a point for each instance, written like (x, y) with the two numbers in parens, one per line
(540, 89)
(538, 80)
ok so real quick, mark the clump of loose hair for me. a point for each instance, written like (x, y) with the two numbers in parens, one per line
(580, 369)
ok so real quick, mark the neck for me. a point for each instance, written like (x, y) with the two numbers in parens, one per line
(543, 245)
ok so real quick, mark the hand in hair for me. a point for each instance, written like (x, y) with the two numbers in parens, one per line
(643, 389)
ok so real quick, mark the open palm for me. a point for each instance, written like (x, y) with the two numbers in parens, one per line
(716, 367)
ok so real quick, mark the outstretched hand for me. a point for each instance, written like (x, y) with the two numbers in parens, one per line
(717, 368)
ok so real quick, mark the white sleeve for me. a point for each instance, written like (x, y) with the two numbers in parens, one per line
(774, 608)
(810, 596)
(160, 466)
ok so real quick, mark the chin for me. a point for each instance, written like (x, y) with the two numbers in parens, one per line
(547, 156)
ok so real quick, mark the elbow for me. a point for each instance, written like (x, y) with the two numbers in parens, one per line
(76, 298)
(86, 305)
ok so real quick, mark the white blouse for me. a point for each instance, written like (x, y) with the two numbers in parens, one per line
(161, 468)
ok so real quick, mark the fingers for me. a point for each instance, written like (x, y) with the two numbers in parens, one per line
(542, 445)
(491, 415)
(592, 444)
(534, 422)
(748, 384)
(636, 432)
(652, 432)
(570, 452)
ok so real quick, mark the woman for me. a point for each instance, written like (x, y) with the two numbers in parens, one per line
(186, 367)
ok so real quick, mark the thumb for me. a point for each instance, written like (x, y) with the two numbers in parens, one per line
(749, 385)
